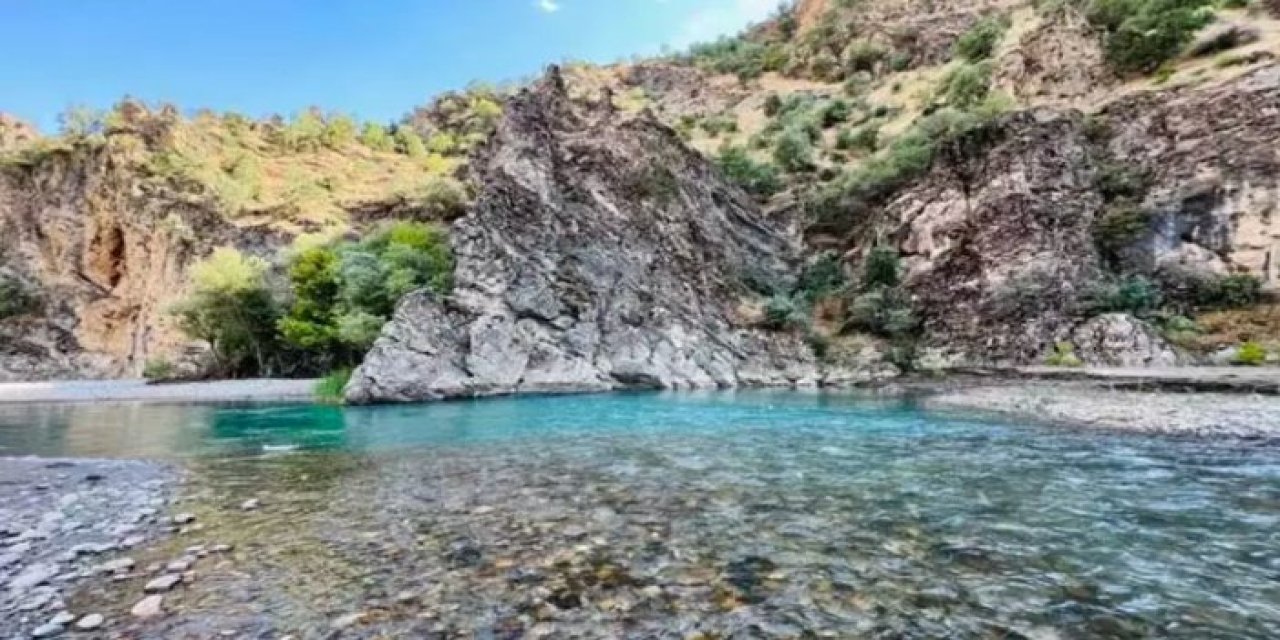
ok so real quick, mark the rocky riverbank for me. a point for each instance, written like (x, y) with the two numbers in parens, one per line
(64, 523)
(1101, 406)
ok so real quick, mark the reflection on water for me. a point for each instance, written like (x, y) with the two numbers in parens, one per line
(135, 430)
(751, 514)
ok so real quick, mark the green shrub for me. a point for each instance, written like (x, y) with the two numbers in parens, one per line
(967, 85)
(716, 125)
(900, 61)
(757, 178)
(375, 136)
(863, 55)
(794, 150)
(1116, 180)
(330, 388)
(884, 311)
(781, 312)
(1250, 354)
(344, 293)
(305, 132)
(772, 105)
(1141, 35)
(883, 268)
(443, 143)
(864, 138)
(835, 112)
(1064, 355)
(158, 369)
(1119, 226)
(822, 276)
(1135, 295)
(16, 297)
(232, 309)
(339, 131)
(980, 41)
(1228, 292)
(409, 142)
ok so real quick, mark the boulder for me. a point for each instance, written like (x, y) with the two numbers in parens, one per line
(1121, 340)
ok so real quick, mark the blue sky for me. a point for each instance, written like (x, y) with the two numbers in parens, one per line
(372, 58)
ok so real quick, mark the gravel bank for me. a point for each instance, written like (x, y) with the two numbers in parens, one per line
(65, 522)
(1230, 415)
(140, 390)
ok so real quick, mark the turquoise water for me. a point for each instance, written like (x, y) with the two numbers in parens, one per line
(750, 514)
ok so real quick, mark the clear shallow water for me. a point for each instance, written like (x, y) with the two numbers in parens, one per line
(760, 514)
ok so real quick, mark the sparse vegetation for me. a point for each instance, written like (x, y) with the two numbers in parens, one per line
(1141, 35)
(980, 41)
(1064, 355)
(158, 370)
(757, 178)
(1250, 354)
(1136, 295)
(16, 297)
(330, 388)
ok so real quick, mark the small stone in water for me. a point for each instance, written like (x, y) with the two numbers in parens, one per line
(184, 518)
(90, 622)
(163, 583)
(220, 548)
(148, 607)
(115, 566)
(47, 630)
(181, 564)
(349, 620)
(250, 505)
(62, 619)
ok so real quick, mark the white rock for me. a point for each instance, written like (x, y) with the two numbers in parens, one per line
(163, 583)
(184, 518)
(148, 607)
(90, 622)
(251, 504)
(47, 630)
(181, 564)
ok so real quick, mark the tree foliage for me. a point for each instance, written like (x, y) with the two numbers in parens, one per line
(232, 308)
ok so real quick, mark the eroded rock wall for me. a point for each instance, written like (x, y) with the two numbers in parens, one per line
(601, 253)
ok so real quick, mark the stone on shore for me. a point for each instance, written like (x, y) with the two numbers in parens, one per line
(148, 607)
(163, 583)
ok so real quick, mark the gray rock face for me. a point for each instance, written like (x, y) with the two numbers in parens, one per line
(601, 254)
(1121, 340)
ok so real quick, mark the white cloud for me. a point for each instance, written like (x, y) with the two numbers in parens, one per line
(720, 18)
(548, 6)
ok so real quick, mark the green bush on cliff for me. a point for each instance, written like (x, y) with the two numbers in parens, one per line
(16, 297)
(1135, 295)
(980, 41)
(967, 85)
(757, 178)
(1143, 34)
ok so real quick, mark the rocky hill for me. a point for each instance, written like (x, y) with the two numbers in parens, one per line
(848, 189)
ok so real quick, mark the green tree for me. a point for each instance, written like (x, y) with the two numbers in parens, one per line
(232, 309)
(375, 136)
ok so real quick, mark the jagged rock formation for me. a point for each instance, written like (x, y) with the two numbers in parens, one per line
(601, 253)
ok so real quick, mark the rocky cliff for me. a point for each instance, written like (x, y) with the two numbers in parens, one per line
(1002, 234)
(601, 253)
